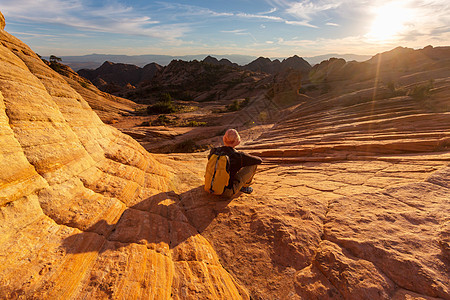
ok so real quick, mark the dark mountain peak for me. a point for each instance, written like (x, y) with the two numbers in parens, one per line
(152, 66)
(211, 60)
(264, 64)
(262, 59)
(108, 66)
(296, 62)
(226, 62)
(119, 74)
(107, 63)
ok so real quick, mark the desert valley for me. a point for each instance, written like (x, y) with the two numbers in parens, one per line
(102, 173)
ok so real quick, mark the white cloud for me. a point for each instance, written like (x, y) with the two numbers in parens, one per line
(34, 35)
(307, 9)
(239, 32)
(236, 31)
(112, 18)
(301, 23)
(269, 12)
(332, 24)
(257, 16)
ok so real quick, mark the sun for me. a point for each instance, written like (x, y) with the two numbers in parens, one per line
(390, 21)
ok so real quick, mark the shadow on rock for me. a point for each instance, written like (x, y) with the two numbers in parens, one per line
(163, 220)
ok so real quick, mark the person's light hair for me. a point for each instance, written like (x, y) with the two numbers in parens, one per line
(231, 138)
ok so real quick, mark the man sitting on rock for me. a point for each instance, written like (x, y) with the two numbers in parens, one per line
(242, 165)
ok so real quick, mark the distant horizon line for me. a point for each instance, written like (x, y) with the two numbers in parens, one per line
(242, 55)
(210, 54)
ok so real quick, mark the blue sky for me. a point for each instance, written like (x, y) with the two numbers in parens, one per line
(271, 28)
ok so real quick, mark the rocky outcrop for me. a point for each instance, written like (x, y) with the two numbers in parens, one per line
(84, 209)
(199, 81)
(108, 107)
(114, 77)
(2, 21)
(385, 66)
(214, 61)
(266, 65)
(350, 203)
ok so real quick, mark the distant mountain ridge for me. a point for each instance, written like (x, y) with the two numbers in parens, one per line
(313, 60)
(386, 63)
(263, 64)
(109, 77)
(117, 78)
(93, 61)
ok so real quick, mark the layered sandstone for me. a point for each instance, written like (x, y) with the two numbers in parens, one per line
(351, 202)
(108, 107)
(84, 208)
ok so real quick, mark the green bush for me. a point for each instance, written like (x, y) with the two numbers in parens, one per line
(395, 91)
(163, 120)
(421, 91)
(165, 97)
(194, 124)
(238, 105)
(162, 107)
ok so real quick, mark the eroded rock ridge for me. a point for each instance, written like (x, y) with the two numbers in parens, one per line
(351, 202)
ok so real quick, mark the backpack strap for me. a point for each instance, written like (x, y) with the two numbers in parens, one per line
(214, 175)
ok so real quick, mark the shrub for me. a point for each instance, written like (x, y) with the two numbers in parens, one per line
(263, 117)
(163, 120)
(54, 59)
(162, 107)
(165, 97)
(395, 91)
(233, 106)
(194, 124)
(421, 91)
(238, 105)
(140, 111)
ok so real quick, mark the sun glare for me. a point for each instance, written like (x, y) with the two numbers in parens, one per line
(390, 20)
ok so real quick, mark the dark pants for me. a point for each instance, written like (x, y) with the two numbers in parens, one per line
(243, 178)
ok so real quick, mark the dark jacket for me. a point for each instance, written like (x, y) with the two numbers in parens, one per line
(238, 160)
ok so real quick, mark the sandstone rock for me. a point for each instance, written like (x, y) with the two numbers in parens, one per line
(354, 278)
(349, 204)
(2, 21)
(108, 107)
(68, 188)
(405, 217)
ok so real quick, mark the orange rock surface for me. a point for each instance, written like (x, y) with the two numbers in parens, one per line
(84, 209)
(351, 202)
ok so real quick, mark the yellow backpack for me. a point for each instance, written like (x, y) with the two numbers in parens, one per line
(217, 174)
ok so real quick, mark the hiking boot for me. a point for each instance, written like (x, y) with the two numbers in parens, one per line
(247, 189)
